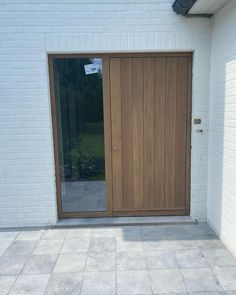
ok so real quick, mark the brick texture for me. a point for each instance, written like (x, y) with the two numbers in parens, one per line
(29, 30)
(221, 211)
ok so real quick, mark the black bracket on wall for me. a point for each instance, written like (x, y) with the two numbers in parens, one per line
(184, 6)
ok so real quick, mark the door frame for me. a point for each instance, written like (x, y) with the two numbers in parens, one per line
(107, 138)
(107, 127)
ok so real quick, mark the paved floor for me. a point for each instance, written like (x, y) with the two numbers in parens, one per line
(174, 259)
(80, 196)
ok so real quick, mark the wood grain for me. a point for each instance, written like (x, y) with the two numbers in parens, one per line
(159, 136)
(181, 130)
(170, 123)
(138, 160)
(147, 119)
(116, 126)
(149, 103)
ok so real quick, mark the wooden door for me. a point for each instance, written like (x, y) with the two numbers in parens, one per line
(150, 114)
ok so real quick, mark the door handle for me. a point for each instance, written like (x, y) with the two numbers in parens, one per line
(114, 147)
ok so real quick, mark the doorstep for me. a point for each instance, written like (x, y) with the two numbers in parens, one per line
(117, 221)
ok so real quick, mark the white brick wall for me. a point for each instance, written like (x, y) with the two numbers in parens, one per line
(221, 211)
(29, 29)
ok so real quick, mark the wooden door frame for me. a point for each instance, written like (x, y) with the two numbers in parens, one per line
(107, 138)
(107, 126)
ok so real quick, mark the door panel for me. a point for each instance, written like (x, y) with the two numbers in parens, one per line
(145, 138)
(149, 100)
(81, 114)
(181, 136)
(138, 119)
(149, 103)
(159, 134)
(117, 148)
(127, 131)
(79, 99)
(170, 129)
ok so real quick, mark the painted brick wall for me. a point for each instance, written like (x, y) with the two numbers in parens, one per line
(222, 129)
(30, 29)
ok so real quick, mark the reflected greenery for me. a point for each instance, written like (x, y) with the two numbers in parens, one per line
(80, 115)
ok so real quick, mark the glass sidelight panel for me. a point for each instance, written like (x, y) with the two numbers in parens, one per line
(80, 125)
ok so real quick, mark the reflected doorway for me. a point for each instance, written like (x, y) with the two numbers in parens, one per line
(79, 114)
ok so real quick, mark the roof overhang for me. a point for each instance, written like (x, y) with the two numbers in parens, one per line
(204, 8)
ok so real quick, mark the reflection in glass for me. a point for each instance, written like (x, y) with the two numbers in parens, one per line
(79, 99)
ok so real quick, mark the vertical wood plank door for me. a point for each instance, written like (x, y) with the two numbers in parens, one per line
(150, 126)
